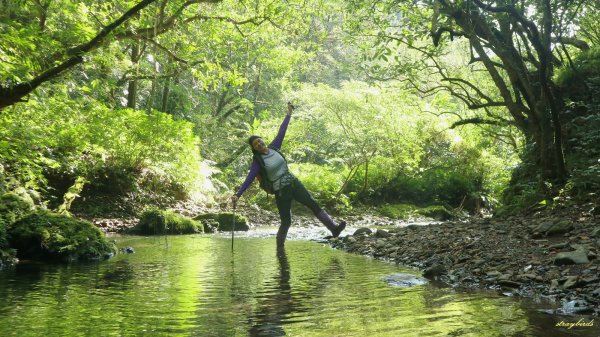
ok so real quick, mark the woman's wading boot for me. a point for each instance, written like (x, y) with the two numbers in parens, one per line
(330, 224)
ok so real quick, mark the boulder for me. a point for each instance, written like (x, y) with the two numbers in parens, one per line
(362, 231)
(554, 228)
(225, 220)
(382, 233)
(434, 271)
(579, 256)
(44, 235)
(158, 222)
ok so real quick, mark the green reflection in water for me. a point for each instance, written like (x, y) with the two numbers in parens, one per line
(195, 286)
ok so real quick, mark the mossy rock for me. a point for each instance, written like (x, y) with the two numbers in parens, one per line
(44, 235)
(226, 220)
(13, 205)
(407, 211)
(436, 212)
(156, 222)
(7, 254)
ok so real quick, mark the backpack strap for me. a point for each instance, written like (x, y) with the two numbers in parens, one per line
(262, 176)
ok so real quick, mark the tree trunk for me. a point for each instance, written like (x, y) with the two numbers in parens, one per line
(546, 145)
(165, 95)
(366, 183)
(133, 84)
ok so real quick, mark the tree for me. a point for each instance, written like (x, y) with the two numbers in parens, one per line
(26, 73)
(517, 44)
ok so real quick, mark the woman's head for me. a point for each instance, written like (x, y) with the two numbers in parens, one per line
(257, 144)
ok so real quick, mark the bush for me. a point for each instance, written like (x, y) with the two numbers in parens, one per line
(51, 236)
(46, 144)
(399, 211)
(574, 81)
(154, 221)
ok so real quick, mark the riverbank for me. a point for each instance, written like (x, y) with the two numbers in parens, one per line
(550, 256)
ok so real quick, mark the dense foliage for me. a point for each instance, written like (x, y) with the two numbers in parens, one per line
(119, 152)
(109, 108)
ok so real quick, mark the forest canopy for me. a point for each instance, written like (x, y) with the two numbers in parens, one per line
(467, 104)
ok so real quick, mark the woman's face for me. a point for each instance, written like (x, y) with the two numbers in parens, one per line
(259, 145)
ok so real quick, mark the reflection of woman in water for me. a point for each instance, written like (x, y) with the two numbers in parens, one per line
(272, 167)
(280, 304)
(277, 305)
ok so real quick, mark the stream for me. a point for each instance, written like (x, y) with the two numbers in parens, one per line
(195, 285)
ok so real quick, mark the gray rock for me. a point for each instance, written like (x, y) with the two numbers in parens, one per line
(478, 262)
(434, 271)
(543, 227)
(504, 277)
(576, 257)
(382, 233)
(576, 307)
(571, 282)
(596, 233)
(509, 284)
(404, 280)
(350, 239)
(554, 228)
(127, 250)
(560, 245)
(379, 243)
(560, 227)
(362, 231)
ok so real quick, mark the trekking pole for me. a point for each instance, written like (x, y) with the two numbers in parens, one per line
(232, 225)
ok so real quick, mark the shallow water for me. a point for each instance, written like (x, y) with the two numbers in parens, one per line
(194, 286)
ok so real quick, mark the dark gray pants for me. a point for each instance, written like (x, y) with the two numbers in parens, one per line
(283, 198)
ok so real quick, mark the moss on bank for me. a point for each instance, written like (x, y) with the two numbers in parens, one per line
(154, 221)
(12, 206)
(407, 211)
(44, 235)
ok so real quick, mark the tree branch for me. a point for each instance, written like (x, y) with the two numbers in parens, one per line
(475, 120)
(573, 42)
(9, 96)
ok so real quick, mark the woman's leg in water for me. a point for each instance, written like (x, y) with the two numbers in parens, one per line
(302, 195)
(283, 199)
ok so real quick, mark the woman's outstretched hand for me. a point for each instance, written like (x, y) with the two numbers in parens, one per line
(290, 108)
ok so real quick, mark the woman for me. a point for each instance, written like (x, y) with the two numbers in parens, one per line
(273, 169)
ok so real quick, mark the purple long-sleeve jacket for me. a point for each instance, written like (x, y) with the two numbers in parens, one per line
(254, 168)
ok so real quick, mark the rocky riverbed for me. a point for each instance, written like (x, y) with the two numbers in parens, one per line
(536, 257)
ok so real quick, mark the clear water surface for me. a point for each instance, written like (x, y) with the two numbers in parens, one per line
(195, 286)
